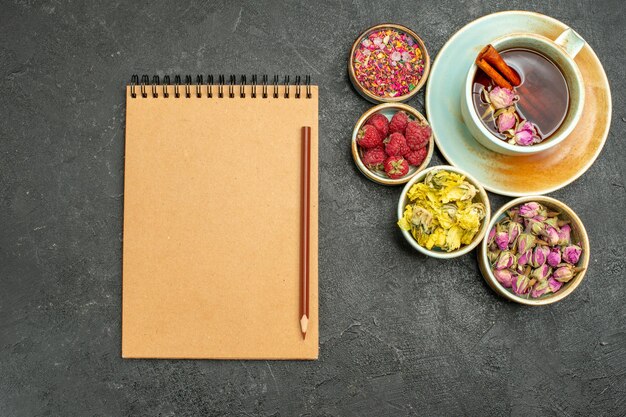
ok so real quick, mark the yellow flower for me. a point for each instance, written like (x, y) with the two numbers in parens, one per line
(441, 212)
(453, 238)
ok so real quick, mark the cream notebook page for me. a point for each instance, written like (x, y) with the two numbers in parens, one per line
(212, 206)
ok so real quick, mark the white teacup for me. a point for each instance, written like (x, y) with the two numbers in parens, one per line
(562, 52)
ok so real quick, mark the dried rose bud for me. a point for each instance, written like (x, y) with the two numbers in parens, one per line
(492, 235)
(530, 209)
(520, 268)
(492, 254)
(507, 120)
(504, 277)
(554, 257)
(554, 284)
(540, 289)
(551, 235)
(514, 231)
(512, 213)
(521, 285)
(505, 260)
(525, 134)
(571, 254)
(564, 273)
(540, 254)
(564, 235)
(536, 227)
(501, 97)
(541, 273)
(562, 223)
(502, 240)
(551, 221)
(525, 257)
(525, 242)
(518, 219)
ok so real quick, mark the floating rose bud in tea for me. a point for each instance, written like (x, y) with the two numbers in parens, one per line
(501, 97)
(507, 120)
(525, 134)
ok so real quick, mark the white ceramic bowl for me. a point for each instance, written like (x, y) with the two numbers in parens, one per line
(480, 196)
(388, 110)
(364, 92)
(578, 234)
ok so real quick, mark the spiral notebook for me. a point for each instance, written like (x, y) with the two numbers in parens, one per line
(212, 205)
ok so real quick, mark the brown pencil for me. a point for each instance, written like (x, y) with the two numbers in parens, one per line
(306, 206)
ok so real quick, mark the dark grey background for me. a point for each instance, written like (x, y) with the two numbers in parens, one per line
(401, 334)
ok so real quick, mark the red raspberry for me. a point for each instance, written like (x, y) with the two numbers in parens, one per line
(380, 122)
(398, 122)
(396, 145)
(417, 157)
(374, 158)
(396, 167)
(417, 135)
(369, 137)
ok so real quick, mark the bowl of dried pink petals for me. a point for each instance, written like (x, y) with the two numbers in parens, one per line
(388, 63)
(536, 251)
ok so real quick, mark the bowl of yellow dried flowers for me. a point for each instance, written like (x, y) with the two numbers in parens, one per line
(536, 251)
(443, 212)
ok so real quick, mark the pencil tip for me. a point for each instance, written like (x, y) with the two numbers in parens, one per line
(304, 324)
(304, 336)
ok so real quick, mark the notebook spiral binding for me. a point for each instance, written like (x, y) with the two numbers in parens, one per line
(147, 87)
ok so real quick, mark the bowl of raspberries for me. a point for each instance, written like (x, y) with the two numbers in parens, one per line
(391, 143)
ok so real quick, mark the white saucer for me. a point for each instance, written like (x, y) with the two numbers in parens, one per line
(514, 175)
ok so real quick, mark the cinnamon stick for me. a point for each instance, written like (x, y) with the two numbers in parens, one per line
(493, 74)
(493, 58)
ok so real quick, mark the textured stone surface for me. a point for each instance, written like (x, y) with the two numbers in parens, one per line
(400, 334)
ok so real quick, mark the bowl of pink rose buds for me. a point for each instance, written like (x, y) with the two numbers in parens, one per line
(391, 143)
(536, 251)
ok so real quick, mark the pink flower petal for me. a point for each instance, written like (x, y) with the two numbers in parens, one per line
(506, 121)
(501, 97)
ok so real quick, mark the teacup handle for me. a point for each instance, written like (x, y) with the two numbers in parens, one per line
(571, 42)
